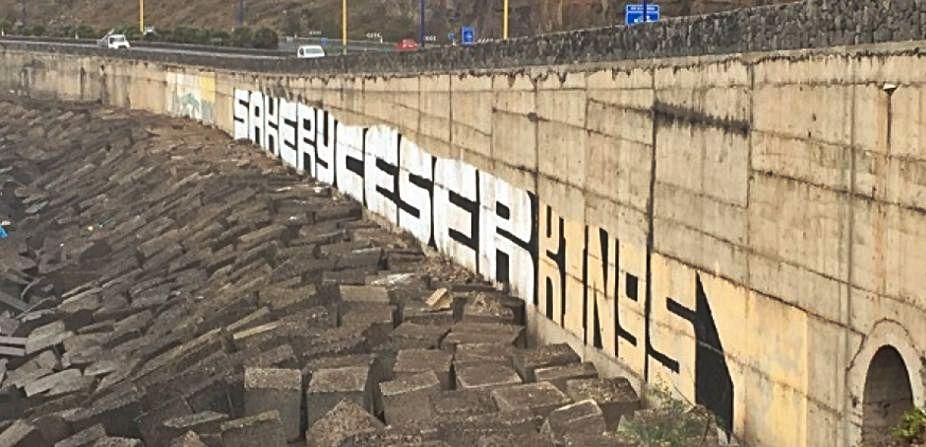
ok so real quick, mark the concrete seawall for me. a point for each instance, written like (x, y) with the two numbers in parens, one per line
(743, 228)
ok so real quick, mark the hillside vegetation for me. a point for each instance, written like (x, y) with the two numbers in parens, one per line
(394, 19)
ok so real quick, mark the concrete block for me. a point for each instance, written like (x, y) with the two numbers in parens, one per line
(559, 375)
(267, 389)
(330, 386)
(581, 417)
(208, 422)
(507, 438)
(116, 411)
(263, 429)
(466, 430)
(83, 438)
(375, 321)
(62, 380)
(149, 423)
(39, 366)
(481, 353)
(188, 439)
(526, 362)
(616, 397)
(540, 398)
(46, 336)
(52, 426)
(364, 294)
(117, 442)
(408, 398)
(489, 308)
(414, 335)
(22, 434)
(468, 332)
(413, 361)
(463, 403)
(486, 376)
(346, 419)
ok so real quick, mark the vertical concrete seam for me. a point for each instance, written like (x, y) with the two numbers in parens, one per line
(850, 266)
(650, 236)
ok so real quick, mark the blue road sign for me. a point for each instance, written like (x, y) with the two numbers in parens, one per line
(468, 35)
(323, 42)
(452, 36)
(634, 13)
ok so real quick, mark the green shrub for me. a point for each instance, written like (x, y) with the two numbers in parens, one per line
(219, 37)
(35, 30)
(87, 32)
(265, 38)
(242, 37)
(672, 423)
(912, 427)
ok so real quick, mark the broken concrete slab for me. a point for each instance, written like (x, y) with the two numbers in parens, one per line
(344, 420)
(47, 336)
(330, 386)
(440, 299)
(267, 389)
(206, 422)
(615, 396)
(117, 442)
(540, 398)
(583, 417)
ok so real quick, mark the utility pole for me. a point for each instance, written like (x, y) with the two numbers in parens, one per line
(505, 20)
(344, 26)
(141, 16)
(645, 11)
(421, 23)
(240, 13)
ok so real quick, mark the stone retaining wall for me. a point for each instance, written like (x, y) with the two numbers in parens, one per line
(741, 227)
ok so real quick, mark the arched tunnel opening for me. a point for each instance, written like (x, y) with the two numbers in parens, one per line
(888, 395)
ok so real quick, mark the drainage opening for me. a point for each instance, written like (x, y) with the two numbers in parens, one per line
(888, 395)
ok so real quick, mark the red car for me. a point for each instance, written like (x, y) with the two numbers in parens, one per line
(407, 45)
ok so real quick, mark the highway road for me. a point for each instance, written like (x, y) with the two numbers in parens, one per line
(147, 49)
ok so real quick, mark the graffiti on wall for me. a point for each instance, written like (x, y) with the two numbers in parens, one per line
(191, 96)
(582, 277)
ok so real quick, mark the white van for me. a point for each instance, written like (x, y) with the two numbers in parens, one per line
(310, 52)
(114, 42)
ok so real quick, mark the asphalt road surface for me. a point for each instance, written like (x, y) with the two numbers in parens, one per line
(137, 49)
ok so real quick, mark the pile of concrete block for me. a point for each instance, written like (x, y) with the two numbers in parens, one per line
(164, 287)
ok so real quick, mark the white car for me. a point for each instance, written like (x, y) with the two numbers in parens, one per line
(310, 52)
(114, 42)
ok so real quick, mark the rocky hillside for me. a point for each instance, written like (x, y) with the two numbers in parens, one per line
(394, 19)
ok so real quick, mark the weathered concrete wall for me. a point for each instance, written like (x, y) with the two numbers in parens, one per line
(744, 228)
